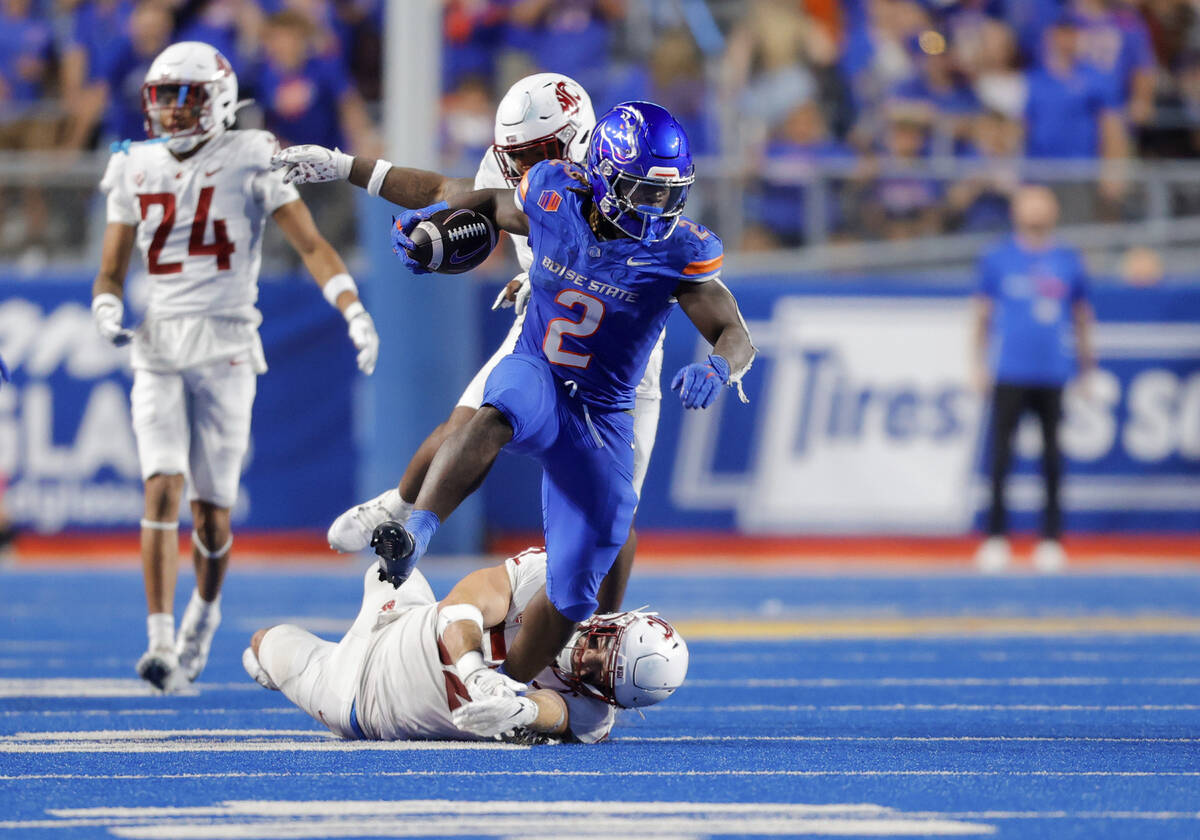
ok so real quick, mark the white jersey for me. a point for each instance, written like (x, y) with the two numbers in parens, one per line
(489, 177)
(408, 686)
(199, 233)
(590, 720)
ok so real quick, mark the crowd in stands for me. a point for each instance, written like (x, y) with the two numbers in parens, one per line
(872, 90)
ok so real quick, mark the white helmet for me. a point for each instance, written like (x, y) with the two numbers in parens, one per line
(546, 116)
(195, 75)
(644, 659)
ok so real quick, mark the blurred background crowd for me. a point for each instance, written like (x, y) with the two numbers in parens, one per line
(819, 121)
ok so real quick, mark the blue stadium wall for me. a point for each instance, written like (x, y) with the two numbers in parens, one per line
(859, 420)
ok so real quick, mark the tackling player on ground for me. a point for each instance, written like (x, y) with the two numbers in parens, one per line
(413, 668)
(546, 116)
(193, 198)
(612, 255)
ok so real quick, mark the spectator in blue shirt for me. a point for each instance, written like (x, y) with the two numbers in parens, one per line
(1033, 294)
(1072, 110)
(1114, 41)
(300, 91)
(799, 147)
(96, 29)
(25, 46)
(125, 69)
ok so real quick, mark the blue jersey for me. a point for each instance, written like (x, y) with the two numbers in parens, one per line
(1033, 293)
(597, 306)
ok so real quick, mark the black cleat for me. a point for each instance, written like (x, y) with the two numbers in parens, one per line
(396, 550)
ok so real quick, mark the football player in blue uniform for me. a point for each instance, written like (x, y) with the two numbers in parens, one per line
(612, 255)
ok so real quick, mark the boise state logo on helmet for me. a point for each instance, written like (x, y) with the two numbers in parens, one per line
(640, 169)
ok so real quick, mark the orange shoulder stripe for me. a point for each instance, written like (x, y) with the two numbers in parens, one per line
(705, 266)
(523, 187)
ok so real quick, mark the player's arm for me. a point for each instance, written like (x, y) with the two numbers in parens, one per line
(503, 207)
(108, 289)
(312, 164)
(336, 284)
(714, 311)
(479, 600)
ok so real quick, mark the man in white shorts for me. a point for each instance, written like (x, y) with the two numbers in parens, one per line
(194, 198)
(414, 668)
(546, 116)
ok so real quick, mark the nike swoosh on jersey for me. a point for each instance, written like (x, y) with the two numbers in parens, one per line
(634, 263)
(208, 174)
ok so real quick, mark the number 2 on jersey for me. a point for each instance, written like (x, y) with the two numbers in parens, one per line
(593, 314)
(221, 247)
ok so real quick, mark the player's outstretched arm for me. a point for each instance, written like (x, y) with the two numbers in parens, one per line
(714, 311)
(312, 164)
(497, 205)
(108, 290)
(327, 268)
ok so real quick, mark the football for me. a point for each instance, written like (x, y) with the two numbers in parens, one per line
(453, 241)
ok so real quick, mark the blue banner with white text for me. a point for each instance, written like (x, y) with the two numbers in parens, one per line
(66, 437)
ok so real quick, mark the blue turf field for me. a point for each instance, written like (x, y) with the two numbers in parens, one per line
(917, 714)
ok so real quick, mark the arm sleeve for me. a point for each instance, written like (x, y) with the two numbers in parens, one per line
(120, 203)
(705, 253)
(588, 719)
(526, 575)
(268, 187)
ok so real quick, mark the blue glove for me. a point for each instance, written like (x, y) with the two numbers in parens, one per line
(699, 382)
(403, 225)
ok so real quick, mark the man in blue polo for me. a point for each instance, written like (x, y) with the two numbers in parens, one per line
(1031, 307)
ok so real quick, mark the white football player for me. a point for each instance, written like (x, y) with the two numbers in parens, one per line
(413, 668)
(546, 116)
(194, 198)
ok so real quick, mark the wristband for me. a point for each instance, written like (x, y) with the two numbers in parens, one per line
(337, 284)
(469, 663)
(375, 184)
(451, 613)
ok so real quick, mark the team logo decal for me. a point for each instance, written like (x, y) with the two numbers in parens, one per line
(619, 139)
(568, 99)
(549, 200)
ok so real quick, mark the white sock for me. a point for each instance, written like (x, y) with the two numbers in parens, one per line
(199, 610)
(395, 505)
(160, 628)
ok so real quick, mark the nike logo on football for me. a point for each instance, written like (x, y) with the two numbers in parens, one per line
(208, 174)
(634, 263)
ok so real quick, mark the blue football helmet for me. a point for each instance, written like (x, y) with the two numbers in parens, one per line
(640, 167)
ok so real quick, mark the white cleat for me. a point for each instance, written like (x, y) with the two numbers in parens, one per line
(993, 556)
(195, 640)
(1049, 557)
(351, 532)
(159, 666)
(255, 669)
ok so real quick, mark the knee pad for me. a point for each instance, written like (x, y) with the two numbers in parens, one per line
(204, 550)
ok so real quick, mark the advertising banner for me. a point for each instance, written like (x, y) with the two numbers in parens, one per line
(861, 421)
(66, 438)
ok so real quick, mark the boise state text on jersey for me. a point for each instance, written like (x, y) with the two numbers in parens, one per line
(596, 306)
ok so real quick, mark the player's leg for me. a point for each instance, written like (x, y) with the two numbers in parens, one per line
(222, 396)
(587, 508)
(316, 675)
(520, 403)
(352, 530)
(1007, 401)
(159, 415)
(645, 430)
